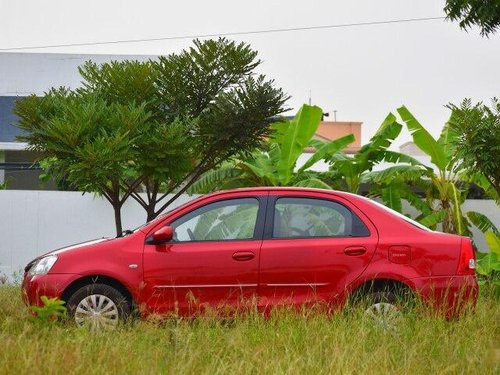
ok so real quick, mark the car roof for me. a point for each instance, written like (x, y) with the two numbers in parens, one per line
(283, 188)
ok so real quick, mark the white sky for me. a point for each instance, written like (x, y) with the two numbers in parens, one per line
(362, 72)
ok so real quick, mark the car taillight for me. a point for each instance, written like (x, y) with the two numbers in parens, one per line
(467, 261)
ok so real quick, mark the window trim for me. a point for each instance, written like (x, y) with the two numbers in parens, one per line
(271, 209)
(259, 224)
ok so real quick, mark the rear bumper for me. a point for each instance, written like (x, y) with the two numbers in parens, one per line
(50, 285)
(448, 295)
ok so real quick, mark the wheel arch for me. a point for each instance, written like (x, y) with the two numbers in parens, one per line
(378, 285)
(97, 279)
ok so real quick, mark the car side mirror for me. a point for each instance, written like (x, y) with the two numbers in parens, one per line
(163, 234)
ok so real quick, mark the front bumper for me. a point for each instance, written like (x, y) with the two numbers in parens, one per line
(448, 295)
(50, 285)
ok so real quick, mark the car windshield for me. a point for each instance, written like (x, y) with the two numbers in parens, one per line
(159, 216)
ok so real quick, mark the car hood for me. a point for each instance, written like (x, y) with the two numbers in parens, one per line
(65, 249)
(77, 246)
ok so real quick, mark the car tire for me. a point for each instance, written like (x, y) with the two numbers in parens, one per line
(98, 307)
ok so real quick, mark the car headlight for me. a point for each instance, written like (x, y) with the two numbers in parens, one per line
(43, 266)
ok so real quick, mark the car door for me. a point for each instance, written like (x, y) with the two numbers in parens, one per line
(313, 247)
(212, 259)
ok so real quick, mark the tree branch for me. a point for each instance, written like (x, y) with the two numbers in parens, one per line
(181, 190)
(201, 166)
(131, 188)
(138, 199)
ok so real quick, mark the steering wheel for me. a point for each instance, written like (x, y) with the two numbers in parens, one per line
(190, 234)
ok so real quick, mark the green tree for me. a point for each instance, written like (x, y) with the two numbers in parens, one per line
(197, 109)
(276, 165)
(477, 145)
(86, 142)
(212, 90)
(482, 13)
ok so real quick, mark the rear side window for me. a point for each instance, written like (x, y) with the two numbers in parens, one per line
(306, 217)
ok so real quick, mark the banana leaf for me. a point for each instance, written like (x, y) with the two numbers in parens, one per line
(301, 130)
(482, 222)
(313, 183)
(424, 140)
(433, 219)
(329, 148)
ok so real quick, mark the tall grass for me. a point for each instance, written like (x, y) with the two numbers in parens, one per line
(287, 343)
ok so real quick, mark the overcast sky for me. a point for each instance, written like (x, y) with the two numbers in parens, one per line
(362, 72)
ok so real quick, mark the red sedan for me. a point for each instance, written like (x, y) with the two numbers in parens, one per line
(270, 246)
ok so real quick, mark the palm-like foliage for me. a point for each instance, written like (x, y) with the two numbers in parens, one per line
(276, 166)
(478, 143)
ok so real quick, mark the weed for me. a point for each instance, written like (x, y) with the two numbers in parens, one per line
(52, 310)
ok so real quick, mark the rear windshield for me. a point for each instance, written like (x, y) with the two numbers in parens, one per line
(400, 215)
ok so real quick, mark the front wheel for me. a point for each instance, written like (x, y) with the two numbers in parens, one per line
(98, 306)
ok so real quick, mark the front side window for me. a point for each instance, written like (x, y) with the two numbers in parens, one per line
(305, 217)
(233, 219)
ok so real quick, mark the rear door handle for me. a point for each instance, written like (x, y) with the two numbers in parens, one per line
(354, 250)
(242, 256)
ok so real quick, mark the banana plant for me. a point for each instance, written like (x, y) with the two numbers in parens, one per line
(395, 184)
(445, 188)
(350, 172)
(488, 264)
(277, 164)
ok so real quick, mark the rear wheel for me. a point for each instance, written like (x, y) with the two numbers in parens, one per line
(386, 307)
(98, 306)
(383, 309)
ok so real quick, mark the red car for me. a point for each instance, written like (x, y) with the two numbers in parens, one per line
(270, 246)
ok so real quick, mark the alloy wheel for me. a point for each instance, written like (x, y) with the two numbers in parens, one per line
(385, 315)
(98, 312)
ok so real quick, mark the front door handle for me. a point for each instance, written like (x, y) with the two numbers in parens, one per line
(242, 256)
(354, 250)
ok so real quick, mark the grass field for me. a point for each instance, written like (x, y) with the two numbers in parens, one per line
(290, 343)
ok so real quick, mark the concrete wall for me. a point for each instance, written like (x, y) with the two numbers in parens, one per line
(35, 222)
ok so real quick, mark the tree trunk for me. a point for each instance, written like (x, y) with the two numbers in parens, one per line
(152, 189)
(118, 219)
(447, 222)
(150, 211)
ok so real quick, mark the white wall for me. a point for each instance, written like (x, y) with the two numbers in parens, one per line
(488, 208)
(35, 222)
